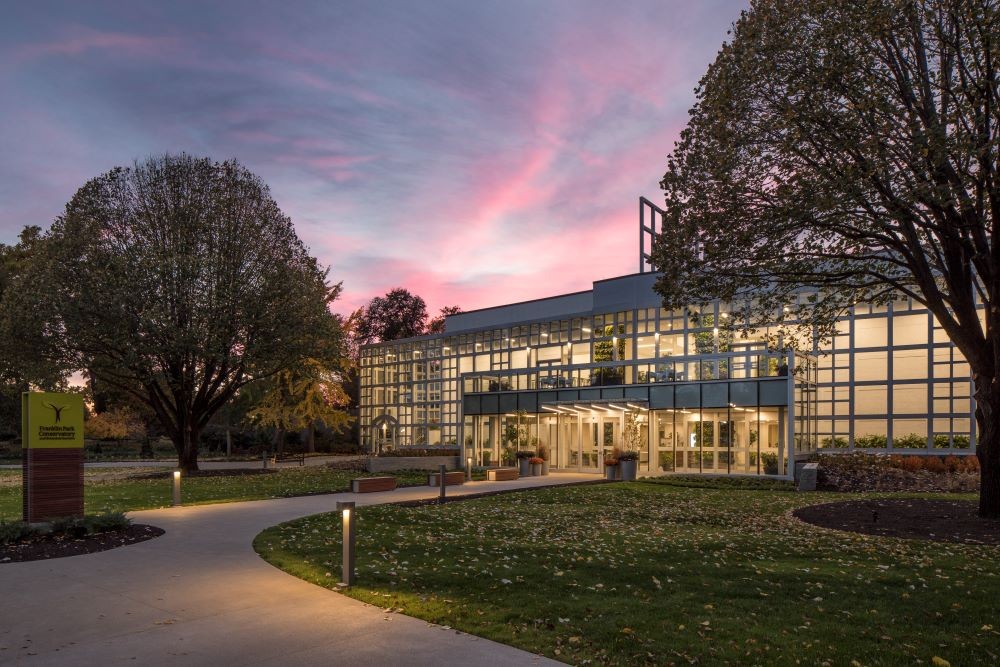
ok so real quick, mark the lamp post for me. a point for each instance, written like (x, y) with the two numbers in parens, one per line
(468, 468)
(177, 488)
(346, 509)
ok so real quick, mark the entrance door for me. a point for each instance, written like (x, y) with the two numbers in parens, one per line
(569, 441)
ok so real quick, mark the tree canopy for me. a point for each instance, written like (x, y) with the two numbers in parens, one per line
(842, 152)
(179, 280)
(398, 314)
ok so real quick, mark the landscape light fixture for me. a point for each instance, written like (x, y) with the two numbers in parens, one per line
(177, 488)
(468, 467)
(346, 509)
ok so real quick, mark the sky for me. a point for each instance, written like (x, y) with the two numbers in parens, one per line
(477, 153)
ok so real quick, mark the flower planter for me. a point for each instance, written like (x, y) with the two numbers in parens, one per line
(545, 468)
(524, 467)
(536, 469)
(628, 470)
(611, 472)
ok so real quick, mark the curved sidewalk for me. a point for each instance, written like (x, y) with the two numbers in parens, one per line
(200, 595)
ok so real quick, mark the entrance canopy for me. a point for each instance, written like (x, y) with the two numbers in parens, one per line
(596, 407)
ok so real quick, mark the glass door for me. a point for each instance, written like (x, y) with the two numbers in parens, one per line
(569, 441)
(591, 456)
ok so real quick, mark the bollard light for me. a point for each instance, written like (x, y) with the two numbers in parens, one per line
(346, 509)
(468, 468)
(177, 488)
(441, 474)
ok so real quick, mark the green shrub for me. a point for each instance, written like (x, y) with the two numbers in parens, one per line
(870, 441)
(14, 531)
(102, 523)
(69, 525)
(837, 442)
(910, 441)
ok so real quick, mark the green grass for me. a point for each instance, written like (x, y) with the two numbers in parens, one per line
(654, 573)
(123, 495)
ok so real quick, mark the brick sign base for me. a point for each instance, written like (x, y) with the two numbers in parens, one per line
(53, 483)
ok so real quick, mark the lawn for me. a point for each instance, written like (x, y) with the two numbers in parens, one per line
(656, 573)
(129, 491)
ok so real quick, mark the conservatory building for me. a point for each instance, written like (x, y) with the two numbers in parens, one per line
(573, 376)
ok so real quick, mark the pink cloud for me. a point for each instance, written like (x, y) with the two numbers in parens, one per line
(81, 39)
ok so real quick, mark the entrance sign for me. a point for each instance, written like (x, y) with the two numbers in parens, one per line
(52, 446)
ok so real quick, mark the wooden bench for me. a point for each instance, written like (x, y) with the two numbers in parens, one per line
(274, 459)
(373, 484)
(450, 478)
(501, 474)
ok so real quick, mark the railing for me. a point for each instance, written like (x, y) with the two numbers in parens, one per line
(725, 366)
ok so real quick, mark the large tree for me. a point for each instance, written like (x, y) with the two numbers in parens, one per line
(179, 280)
(436, 325)
(398, 314)
(849, 149)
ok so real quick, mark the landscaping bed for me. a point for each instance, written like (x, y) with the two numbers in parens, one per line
(650, 573)
(59, 546)
(879, 472)
(911, 518)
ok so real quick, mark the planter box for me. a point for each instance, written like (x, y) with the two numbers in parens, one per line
(524, 467)
(536, 469)
(501, 474)
(373, 484)
(450, 479)
(611, 472)
(394, 463)
(545, 468)
(628, 470)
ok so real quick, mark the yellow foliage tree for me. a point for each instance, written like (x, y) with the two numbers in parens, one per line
(300, 397)
(117, 424)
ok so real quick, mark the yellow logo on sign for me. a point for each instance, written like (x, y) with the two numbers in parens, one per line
(50, 420)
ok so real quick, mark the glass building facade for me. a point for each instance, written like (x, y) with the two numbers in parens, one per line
(578, 374)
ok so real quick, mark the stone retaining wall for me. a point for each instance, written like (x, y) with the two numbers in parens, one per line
(393, 463)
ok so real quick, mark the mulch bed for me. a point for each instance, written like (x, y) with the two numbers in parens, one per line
(59, 546)
(908, 518)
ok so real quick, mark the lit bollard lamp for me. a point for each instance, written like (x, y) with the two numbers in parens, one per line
(441, 474)
(346, 510)
(177, 488)
(468, 469)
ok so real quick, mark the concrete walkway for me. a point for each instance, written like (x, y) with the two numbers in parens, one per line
(200, 595)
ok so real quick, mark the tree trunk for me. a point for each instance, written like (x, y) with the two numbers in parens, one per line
(988, 445)
(187, 450)
(279, 440)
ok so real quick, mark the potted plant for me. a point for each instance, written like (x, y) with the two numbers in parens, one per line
(524, 462)
(536, 465)
(610, 468)
(628, 463)
(543, 454)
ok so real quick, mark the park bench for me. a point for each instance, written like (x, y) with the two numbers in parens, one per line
(450, 478)
(373, 484)
(501, 474)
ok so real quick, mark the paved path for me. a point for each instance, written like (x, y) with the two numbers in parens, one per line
(200, 595)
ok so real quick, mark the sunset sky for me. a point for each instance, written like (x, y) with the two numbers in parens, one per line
(477, 153)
